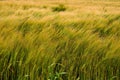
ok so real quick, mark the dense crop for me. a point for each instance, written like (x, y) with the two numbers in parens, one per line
(80, 43)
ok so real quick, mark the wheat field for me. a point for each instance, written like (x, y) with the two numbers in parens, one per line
(59, 39)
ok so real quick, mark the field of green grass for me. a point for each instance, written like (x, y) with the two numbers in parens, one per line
(59, 39)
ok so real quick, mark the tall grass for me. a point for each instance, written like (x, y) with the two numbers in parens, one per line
(39, 44)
